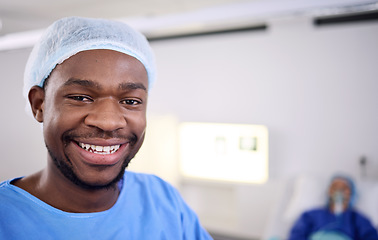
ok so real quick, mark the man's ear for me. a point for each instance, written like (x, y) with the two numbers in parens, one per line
(36, 100)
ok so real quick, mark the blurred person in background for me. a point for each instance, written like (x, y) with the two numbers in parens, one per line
(338, 220)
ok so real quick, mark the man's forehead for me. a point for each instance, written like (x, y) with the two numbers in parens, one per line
(340, 182)
(99, 68)
(98, 54)
(89, 59)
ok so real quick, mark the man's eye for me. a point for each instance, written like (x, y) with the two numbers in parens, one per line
(80, 98)
(130, 102)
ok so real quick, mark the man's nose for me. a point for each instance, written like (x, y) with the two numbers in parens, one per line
(107, 115)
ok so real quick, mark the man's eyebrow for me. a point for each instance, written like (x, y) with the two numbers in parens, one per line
(132, 86)
(93, 84)
(81, 82)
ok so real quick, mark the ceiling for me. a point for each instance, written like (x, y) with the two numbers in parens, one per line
(23, 15)
(147, 15)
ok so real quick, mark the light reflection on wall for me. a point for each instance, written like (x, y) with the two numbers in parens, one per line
(224, 152)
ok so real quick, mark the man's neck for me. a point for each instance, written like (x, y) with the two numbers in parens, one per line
(51, 187)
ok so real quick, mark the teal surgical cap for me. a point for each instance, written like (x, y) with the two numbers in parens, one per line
(68, 36)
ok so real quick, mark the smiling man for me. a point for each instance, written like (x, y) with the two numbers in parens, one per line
(87, 82)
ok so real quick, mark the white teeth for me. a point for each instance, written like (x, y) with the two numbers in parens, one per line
(99, 149)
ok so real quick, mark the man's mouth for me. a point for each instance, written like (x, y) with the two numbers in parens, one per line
(99, 149)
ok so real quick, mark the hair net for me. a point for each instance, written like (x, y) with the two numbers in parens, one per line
(68, 36)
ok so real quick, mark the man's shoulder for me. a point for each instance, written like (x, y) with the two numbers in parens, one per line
(358, 215)
(315, 212)
(6, 186)
(9, 194)
(149, 185)
(3, 184)
(146, 180)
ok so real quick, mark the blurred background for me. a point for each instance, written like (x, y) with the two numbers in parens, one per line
(287, 90)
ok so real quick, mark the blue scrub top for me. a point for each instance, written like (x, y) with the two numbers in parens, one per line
(147, 208)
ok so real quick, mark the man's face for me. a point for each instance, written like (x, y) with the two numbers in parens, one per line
(94, 116)
(342, 186)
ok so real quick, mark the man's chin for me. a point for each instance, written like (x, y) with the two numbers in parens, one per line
(96, 184)
(93, 184)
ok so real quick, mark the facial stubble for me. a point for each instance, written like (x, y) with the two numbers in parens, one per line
(65, 167)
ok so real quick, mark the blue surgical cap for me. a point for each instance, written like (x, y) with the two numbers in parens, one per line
(68, 36)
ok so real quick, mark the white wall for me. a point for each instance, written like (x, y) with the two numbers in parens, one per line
(314, 88)
(21, 137)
